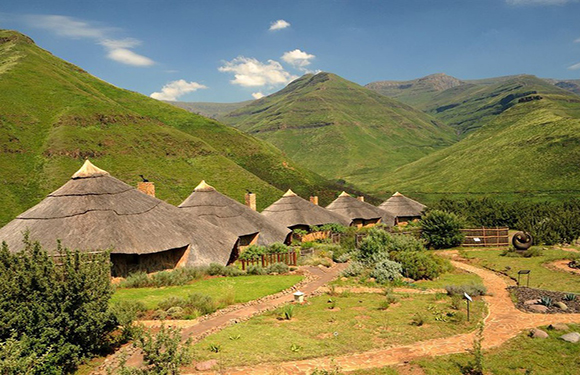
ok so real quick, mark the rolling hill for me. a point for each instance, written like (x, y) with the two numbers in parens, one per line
(341, 130)
(521, 139)
(53, 115)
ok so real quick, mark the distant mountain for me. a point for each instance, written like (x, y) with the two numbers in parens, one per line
(521, 139)
(342, 130)
(416, 91)
(207, 109)
(53, 115)
(420, 92)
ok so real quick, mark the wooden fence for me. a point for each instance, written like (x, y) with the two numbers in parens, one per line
(290, 258)
(486, 237)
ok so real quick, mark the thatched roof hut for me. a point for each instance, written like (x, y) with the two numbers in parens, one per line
(403, 208)
(209, 204)
(95, 211)
(295, 212)
(359, 213)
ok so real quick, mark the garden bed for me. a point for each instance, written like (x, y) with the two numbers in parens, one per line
(523, 294)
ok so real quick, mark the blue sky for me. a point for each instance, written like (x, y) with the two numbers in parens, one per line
(226, 51)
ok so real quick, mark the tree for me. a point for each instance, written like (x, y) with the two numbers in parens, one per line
(441, 229)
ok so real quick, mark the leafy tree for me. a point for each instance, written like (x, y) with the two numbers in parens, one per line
(441, 229)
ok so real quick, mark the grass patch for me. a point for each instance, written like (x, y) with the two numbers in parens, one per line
(246, 288)
(540, 276)
(353, 323)
(534, 356)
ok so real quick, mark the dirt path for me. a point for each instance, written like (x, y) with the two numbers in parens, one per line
(198, 329)
(503, 322)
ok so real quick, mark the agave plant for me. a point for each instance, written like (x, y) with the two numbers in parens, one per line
(546, 301)
(569, 297)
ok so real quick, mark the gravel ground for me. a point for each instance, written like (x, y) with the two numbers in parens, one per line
(523, 294)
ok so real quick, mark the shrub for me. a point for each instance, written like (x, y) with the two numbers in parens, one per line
(456, 301)
(135, 280)
(384, 305)
(163, 353)
(277, 248)
(175, 312)
(386, 270)
(216, 269)
(441, 229)
(252, 252)
(420, 265)
(278, 268)
(126, 312)
(56, 314)
(534, 251)
(353, 269)
(255, 269)
(418, 320)
(200, 302)
(288, 312)
(471, 289)
(342, 258)
(375, 243)
(334, 228)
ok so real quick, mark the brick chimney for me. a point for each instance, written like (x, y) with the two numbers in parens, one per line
(147, 188)
(251, 200)
(314, 199)
(361, 198)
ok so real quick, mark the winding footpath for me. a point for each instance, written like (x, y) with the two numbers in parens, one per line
(502, 323)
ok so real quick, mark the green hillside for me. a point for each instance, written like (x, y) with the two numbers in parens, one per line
(53, 115)
(342, 130)
(519, 147)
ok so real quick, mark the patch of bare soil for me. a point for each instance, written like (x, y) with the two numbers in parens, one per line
(523, 295)
(562, 265)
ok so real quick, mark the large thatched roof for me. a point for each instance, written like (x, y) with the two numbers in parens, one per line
(354, 209)
(207, 203)
(291, 210)
(400, 206)
(95, 211)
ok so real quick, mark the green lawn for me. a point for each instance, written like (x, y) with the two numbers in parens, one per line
(245, 288)
(540, 276)
(355, 324)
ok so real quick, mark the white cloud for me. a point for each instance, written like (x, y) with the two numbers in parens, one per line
(117, 49)
(539, 2)
(126, 56)
(175, 89)
(257, 95)
(298, 59)
(574, 67)
(250, 72)
(67, 26)
(279, 25)
(577, 40)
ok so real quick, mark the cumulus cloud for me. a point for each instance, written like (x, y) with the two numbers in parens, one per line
(257, 95)
(298, 59)
(279, 25)
(117, 49)
(250, 72)
(539, 2)
(574, 67)
(175, 89)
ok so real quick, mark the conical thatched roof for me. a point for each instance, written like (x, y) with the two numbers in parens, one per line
(207, 203)
(95, 211)
(400, 206)
(354, 209)
(291, 210)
